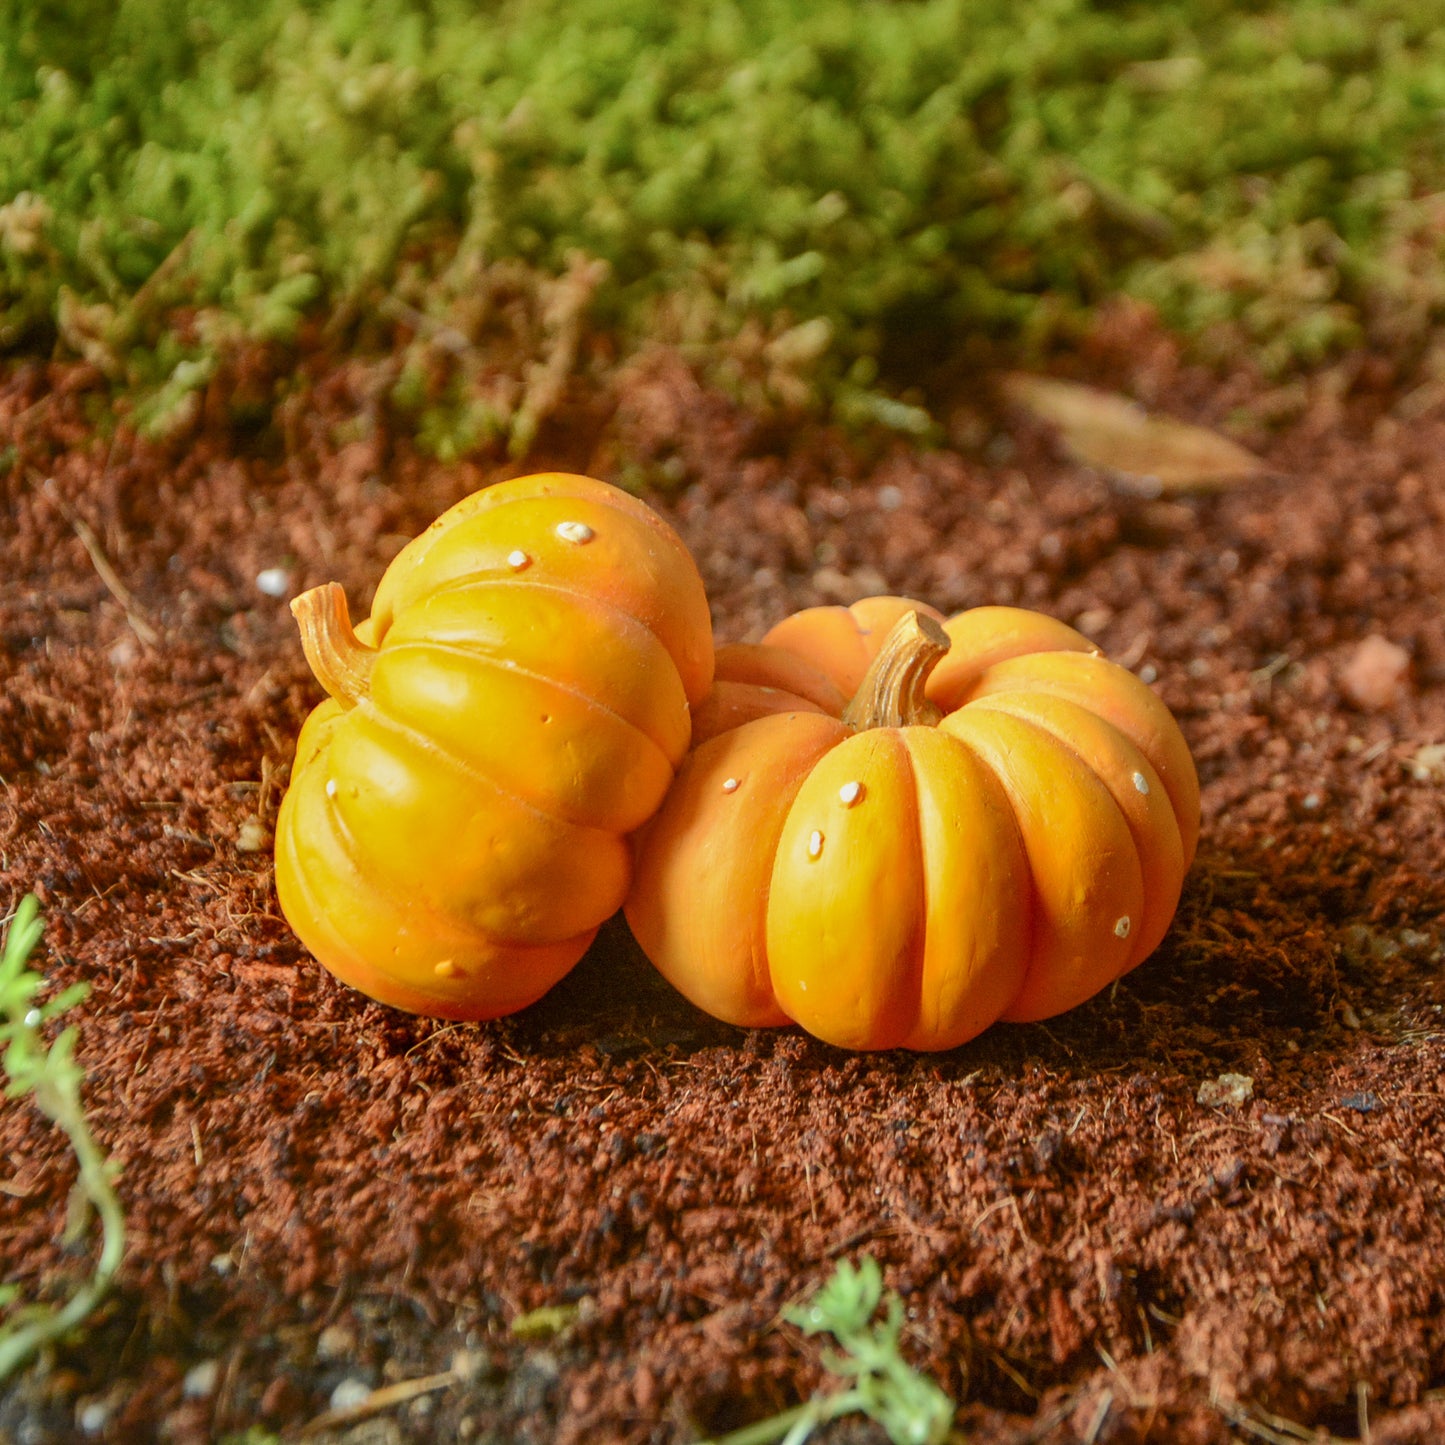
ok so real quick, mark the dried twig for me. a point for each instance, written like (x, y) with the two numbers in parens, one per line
(379, 1400)
(134, 612)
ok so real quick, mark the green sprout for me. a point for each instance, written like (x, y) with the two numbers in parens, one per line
(52, 1077)
(880, 1383)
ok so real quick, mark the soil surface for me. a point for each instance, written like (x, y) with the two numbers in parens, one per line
(326, 1197)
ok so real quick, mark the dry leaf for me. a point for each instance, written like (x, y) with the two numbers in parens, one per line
(1151, 454)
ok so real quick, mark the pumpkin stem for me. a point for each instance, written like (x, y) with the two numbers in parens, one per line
(341, 661)
(891, 693)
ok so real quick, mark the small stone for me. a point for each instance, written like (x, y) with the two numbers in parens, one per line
(1227, 1091)
(578, 533)
(334, 1343)
(350, 1393)
(273, 581)
(472, 1366)
(1428, 764)
(1362, 1103)
(1375, 674)
(94, 1416)
(251, 836)
(200, 1380)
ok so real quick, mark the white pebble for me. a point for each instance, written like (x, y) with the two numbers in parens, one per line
(578, 532)
(349, 1394)
(274, 581)
(200, 1381)
(94, 1417)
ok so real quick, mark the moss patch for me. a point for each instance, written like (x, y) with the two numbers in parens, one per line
(855, 181)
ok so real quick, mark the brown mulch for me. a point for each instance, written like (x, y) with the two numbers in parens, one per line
(324, 1193)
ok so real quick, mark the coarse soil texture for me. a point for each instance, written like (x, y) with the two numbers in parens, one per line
(1096, 1238)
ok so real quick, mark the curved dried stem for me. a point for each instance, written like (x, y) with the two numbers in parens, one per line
(891, 693)
(341, 661)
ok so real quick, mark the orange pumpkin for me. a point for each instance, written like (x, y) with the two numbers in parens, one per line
(998, 826)
(456, 825)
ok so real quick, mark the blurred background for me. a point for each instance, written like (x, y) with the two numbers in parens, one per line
(819, 201)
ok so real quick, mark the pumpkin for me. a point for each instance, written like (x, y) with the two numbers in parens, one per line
(455, 829)
(997, 826)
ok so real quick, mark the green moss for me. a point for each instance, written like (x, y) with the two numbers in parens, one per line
(890, 168)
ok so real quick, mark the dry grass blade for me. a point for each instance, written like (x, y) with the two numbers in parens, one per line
(1275, 1429)
(381, 1399)
(1152, 455)
(134, 612)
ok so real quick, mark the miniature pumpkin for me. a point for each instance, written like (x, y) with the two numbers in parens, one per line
(456, 825)
(752, 680)
(998, 826)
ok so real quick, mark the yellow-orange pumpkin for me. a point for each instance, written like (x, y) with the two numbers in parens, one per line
(456, 825)
(998, 826)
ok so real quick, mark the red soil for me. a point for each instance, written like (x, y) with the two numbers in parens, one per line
(320, 1189)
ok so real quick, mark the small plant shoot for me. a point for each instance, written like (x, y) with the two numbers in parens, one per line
(50, 1076)
(879, 1383)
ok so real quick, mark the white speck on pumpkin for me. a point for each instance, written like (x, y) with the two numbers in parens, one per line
(815, 844)
(731, 785)
(1123, 926)
(578, 532)
(331, 787)
(850, 793)
(446, 969)
(1141, 784)
(518, 561)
